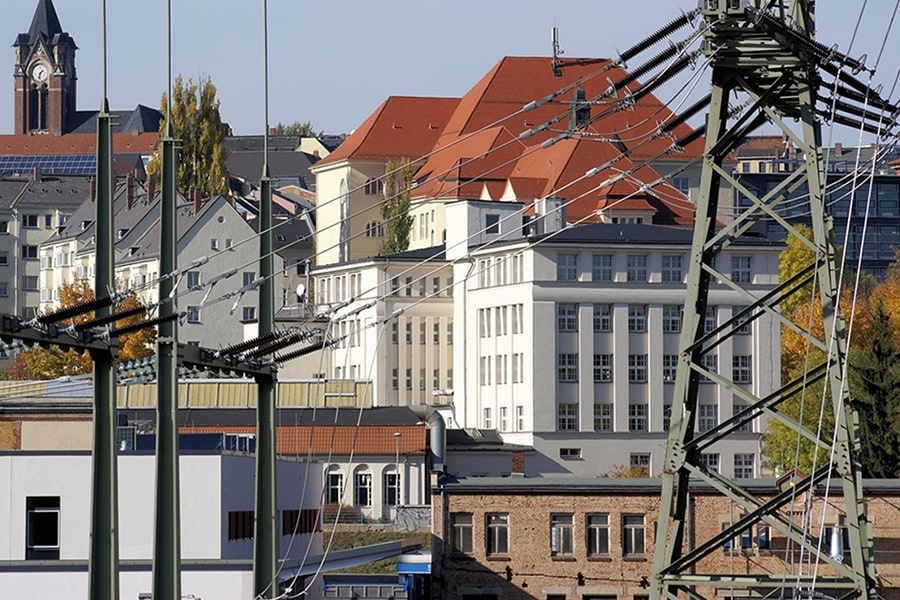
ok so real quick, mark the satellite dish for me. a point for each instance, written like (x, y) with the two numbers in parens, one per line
(301, 290)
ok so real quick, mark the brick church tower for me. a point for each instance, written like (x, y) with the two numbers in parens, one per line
(44, 75)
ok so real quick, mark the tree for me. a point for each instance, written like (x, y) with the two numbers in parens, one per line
(54, 362)
(398, 222)
(875, 387)
(197, 124)
(296, 128)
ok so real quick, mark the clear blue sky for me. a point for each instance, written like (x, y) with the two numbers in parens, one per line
(333, 62)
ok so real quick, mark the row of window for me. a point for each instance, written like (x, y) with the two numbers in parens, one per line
(637, 268)
(501, 270)
(362, 487)
(32, 221)
(561, 541)
(503, 367)
(408, 379)
(500, 317)
(307, 520)
(423, 333)
(567, 318)
(567, 367)
(707, 417)
(503, 420)
(194, 282)
(419, 287)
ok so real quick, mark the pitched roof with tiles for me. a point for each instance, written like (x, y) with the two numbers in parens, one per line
(74, 143)
(402, 126)
(481, 147)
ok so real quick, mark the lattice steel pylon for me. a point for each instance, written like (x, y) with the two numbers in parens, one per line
(763, 52)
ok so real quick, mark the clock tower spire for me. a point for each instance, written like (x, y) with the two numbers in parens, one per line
(44, 75)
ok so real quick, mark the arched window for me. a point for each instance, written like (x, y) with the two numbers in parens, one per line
(391, 486)
(334, 484)
(363, 487)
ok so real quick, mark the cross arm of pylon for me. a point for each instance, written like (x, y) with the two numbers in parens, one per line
(14, 331)
(207, 359)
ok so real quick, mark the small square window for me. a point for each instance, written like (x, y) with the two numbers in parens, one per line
(193, 314)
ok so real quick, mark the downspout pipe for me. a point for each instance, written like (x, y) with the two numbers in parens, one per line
(438, 432)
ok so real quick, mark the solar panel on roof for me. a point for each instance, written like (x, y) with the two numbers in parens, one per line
(66, 164)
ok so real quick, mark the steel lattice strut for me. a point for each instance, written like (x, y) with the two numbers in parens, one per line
(765, 53)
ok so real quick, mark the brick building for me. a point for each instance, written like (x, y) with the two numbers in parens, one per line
(559, 538)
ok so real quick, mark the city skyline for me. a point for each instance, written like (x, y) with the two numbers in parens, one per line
(335, 75)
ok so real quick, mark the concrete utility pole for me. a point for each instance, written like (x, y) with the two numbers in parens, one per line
(764, 53)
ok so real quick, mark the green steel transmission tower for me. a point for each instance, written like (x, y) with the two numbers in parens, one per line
(765, 59)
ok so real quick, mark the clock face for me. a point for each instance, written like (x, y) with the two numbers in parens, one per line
(40, 73)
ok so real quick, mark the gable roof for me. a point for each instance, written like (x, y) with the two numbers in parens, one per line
(403, 126)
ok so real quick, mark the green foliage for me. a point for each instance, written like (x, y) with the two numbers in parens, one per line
(356, 538)
(197, 124)
(297, 128)
(793, 259)
(784, 448)
(398, 223)
(875, 387)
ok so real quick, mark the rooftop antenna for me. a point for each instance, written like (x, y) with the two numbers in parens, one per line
(557, 52)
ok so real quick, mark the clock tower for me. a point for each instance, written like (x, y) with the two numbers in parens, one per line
(44, 75)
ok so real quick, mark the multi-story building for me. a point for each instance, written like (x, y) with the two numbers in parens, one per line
(862, 194)
(47, 501)
(593, 538)
(397, 327)
(213, 238)
(568, 341)
(31, 212)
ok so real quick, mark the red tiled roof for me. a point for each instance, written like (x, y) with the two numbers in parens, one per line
(74, 143)
(402, 126)
(321, 440)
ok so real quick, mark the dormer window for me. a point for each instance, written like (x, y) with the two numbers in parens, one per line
(121, 233)
(132, 251)
(85, 224)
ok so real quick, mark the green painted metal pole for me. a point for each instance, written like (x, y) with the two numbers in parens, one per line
(265, 534)
(167, 533)
(104, 556)
(103, 562)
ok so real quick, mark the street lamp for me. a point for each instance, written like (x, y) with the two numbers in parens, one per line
(397, 466)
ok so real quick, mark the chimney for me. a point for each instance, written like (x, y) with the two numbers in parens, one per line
(198, 200)
(271, 131)
(93, 189)
(151, 189)
(37, 173)
(838, 149)
(517, 467)
(129, 191)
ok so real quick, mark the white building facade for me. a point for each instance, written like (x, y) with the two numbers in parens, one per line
(393, 323)
(45, 512)
(569, 342)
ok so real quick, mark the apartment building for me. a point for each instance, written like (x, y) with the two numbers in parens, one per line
(31, 211)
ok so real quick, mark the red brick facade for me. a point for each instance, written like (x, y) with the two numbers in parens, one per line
(538, 563)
